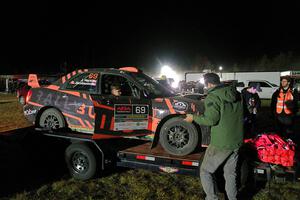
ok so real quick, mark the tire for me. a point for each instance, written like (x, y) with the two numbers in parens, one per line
(52, 118)
(81, 161)
(178, 137)
(22, 100)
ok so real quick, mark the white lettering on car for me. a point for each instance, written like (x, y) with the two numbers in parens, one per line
(30, 112)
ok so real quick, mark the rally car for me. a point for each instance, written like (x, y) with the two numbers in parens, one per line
(82, 101)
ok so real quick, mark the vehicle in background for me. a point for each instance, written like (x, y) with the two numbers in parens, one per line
(296, 83)
(166, 83)
(271, 77)
(23, 88)
(267, 88)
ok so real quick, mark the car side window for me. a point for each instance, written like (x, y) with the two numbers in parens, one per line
(84, 82)
(240, 84)
(263, 84)
(127, 87)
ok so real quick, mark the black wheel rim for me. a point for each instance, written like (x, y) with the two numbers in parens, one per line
(178, 136)
(51, 121)
(80, 162)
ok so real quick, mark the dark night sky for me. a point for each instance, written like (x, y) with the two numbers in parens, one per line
(40, 36)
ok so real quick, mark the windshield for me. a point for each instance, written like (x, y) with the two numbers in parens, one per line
(152, 87)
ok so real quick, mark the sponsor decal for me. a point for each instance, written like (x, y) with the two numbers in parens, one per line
(30, 112)
(168, 169)
(131, 117)
(123, 109)
(180, 106)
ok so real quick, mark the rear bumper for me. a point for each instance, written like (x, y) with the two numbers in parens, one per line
(30, 112)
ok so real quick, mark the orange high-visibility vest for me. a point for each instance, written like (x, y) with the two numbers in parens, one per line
(282, 99)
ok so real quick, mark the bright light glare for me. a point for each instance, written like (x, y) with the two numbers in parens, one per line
(202, 80)
(170, 73)
(220, 68)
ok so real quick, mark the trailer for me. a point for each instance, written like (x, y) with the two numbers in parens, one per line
(86, 157)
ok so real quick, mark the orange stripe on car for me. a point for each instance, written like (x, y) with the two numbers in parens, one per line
(102, 121)
(168, 102)
(91, 114)
(129, 69)
(53, 87)
(71, 92)
(89, 124)
(112, 124)
(159, 100)
(74, 117)
(155, 122)
(96, 104)
(35, 104)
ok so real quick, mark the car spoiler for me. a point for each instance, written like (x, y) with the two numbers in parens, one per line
(33, 81)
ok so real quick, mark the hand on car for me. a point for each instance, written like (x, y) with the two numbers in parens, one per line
(189, 118)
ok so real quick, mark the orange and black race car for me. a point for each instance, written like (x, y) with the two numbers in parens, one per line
(82, 101)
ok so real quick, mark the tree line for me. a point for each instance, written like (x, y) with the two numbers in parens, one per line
(280, 62)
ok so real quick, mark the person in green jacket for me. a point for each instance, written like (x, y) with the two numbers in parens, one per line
(224, 113)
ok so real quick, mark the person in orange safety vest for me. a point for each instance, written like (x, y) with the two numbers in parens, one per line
(284, 107)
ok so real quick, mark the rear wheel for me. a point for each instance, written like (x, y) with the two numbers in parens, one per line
(52, 118)
(81, 161)
(178, 137)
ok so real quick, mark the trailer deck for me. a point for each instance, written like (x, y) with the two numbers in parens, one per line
(156, 159)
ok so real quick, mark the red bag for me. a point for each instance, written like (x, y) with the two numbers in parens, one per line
(271, 148)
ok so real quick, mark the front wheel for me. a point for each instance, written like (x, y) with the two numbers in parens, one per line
(81, 161)
(178, 137)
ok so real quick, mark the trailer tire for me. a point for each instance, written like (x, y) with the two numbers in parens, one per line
(178, 137)
(52, 118)
(81, 161)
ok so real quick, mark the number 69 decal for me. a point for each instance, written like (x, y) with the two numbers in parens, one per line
(137, 109)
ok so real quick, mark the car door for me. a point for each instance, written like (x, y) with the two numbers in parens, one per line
(76, 103)
(124, 115)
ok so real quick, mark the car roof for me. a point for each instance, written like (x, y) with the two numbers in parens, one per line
(121, 69)
(258, 80)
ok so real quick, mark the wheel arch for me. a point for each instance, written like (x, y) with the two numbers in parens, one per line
(37, 118)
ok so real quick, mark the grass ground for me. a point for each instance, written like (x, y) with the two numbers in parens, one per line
(32, 175)
(11, 114)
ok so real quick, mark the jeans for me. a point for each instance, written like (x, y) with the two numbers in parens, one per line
(214, 158)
